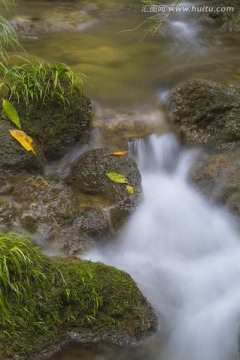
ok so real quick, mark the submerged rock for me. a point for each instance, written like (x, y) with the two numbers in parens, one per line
(217, 175)
(88, 174)
(32, 26)
(207, 112)
(67, 300)
(115, 127)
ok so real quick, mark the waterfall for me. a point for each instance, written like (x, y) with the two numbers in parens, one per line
(184, 253)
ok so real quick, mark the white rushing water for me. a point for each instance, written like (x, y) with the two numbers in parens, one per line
(185, 256)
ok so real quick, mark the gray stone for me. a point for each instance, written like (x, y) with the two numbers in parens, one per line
(207, 112)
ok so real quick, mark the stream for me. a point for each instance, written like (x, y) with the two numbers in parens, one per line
(182, 251)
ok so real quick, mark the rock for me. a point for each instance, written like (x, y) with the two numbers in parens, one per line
(6, 185)
(94, 222)
(56, 216)
(204, 110)
(7, 214)
(71, 300)
(44, 200)
(88, 174)
(217, 175)
(116, 127)
(14, 157)
(57, 128)
(46, 208)
(228, 20)
(76, 20)
(232, 25)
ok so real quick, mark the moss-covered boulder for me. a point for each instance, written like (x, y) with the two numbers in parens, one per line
(206, 112)
(62, 300)
(217, 175)
(51, 103)
(13, 156)
(55, 127)
(88, 174)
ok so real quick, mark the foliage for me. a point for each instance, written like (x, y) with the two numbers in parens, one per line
(25, 140)
(120, 153)
(39, 295)
(35, 81)
(154, 22)
(8, 37)
(120, 179)
(11, 113)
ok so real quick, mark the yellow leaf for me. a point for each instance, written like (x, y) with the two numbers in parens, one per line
(120, 153)
(130, 189)
(24, 139)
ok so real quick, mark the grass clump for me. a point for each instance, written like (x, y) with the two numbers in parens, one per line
(38, 82)
(42, 298)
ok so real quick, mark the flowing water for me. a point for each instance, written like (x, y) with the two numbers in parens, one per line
(184, 255)
(182, 251)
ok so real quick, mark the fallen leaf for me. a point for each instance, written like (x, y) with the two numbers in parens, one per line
(11, 113)
(24, 139)
(118, 178)
(120, 153)
(130, 189)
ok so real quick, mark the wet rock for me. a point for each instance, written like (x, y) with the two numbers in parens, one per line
(6, 185)
(53, 213)
(7, 214)
(72, 242)
(232, 25)
(217, 175)
(57, 128)
(45, 200)
(116, 127)
(47, 209)
(94, 222)
(228, 20)
(88, 174)
(14, 157)
(32, 26)
(207, 113)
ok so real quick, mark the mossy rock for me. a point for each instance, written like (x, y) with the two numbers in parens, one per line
(14, 157)
(55, 127)
(206, 112)
(61, 300)
(88, 174)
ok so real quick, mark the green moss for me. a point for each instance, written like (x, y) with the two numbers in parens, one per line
(51, 104)
(47, 296)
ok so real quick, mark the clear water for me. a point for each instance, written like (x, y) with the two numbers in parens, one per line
(128, 69)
